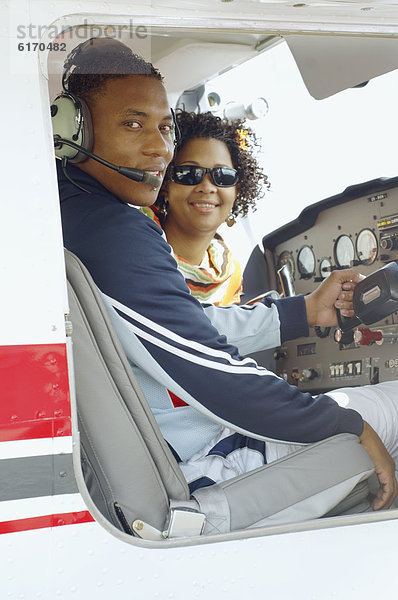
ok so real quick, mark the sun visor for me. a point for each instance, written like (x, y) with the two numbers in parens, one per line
(330, 64)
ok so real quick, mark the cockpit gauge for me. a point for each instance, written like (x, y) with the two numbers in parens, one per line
(286, 258)
(306, 262)
(344, 251)
(366, 244)
(325, 268)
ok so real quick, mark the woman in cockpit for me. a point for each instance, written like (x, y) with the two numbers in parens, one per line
(213, 178)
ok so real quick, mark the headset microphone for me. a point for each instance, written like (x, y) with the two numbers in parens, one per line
(134, 174)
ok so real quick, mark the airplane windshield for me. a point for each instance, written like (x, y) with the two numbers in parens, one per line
(311, 149)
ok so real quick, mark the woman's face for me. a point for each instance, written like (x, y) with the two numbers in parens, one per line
(202, 207)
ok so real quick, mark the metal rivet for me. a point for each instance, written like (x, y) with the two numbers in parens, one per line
(138, 525)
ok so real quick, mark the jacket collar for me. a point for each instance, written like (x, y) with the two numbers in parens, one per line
(68, 189)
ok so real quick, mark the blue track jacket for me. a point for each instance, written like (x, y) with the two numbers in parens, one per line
(175, 343)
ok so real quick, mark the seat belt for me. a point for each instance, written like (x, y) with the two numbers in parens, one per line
(184, 520)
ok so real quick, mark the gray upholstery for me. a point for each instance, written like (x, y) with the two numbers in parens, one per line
(306, 484)
(126, 460)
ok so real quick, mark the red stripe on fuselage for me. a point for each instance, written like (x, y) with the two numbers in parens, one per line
(73, 518)
(35, 399)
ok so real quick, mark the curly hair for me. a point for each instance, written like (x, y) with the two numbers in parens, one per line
(241, 142)
(91, 64)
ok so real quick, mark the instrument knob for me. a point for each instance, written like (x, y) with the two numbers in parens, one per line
(309, 374)
(387, 243)
(364, 336)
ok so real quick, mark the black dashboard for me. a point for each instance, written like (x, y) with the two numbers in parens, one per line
(358, 228)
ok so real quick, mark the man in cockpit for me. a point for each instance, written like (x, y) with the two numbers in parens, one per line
(233, 411)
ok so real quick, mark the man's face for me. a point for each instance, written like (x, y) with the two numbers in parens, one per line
(132, 128)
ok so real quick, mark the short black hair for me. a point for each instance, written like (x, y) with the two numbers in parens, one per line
(241, 142)
(97, 60)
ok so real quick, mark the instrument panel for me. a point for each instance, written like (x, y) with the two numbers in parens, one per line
(358, 228)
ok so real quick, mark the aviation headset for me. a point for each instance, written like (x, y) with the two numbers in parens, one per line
(71, 118)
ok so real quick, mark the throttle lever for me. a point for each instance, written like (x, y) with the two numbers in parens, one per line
(286, 281)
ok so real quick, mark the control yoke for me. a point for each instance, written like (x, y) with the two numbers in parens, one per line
(375, 297)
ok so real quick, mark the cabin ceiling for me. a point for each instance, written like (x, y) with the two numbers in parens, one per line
(200, 48)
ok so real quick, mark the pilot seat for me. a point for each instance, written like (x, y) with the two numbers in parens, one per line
(133, 478)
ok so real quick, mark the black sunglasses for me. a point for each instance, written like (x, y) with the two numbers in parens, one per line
(192, 175)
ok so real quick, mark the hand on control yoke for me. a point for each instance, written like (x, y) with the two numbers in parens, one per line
(334, 292)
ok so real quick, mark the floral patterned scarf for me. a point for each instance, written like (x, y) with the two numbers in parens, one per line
(218, 279)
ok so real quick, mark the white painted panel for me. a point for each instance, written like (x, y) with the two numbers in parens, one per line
(26, 508)
(79, 562)
(32, 296)
(38, 447)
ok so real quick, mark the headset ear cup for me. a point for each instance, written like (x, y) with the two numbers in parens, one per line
(71, 120)
(87, 138)
(176, 129)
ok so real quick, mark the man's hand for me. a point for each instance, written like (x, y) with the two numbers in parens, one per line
(384, 468)
(334, 292)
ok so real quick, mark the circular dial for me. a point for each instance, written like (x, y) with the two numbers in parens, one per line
(306, 262)
(325, 267)
(366, 246)
(286, 258)
(344, 251)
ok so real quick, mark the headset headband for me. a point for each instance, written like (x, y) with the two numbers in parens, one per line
(87, 51)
